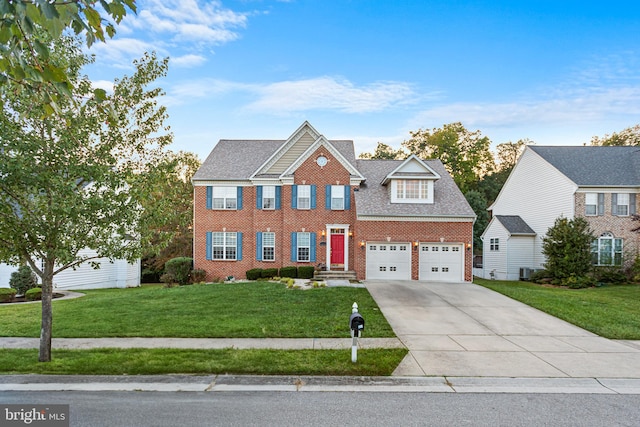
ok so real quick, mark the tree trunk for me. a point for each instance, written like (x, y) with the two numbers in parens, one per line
(47, 313)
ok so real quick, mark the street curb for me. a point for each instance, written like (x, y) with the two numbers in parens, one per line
(249, 383)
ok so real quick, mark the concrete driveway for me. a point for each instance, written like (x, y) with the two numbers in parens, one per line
(462, 329)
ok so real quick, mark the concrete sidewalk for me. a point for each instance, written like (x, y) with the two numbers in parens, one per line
(465, 330)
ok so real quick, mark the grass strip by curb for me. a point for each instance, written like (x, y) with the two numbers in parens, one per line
(374, 362)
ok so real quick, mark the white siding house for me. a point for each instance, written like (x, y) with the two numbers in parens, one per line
(551, 182)
(116, 274)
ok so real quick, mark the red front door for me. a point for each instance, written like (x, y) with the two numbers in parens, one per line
(337, 249)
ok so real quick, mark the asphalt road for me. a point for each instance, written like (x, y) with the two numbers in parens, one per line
(132, 409)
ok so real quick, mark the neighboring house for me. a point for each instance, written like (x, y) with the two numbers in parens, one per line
(309, 201)
(598, 183)
(116, 274)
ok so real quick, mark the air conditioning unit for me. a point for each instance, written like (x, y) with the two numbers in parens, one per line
(525, 273)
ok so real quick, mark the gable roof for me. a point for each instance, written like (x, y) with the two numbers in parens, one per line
(594, 165)
(411, 168)
(515, 225)
(372, 199)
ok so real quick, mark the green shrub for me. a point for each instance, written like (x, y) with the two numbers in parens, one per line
(269, 273)
(610, 275)
(306, 272)
(290, 283)
(33, 294)
(198, 275)
(579, 282)
(169, 279)
(541, 276)
(254, 274)
(634, 270)
(291, 271)
(567, 246)
(7, 294)
(180, 268)
(23, 279)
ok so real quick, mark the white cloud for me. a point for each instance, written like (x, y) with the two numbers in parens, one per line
(103, 84)
(328, 93)
(121, 52)
(186, 61)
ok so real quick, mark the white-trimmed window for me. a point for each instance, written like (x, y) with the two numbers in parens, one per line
(304, 247)
(494, 244)
(412, 191)
(268, 246)
(225, 198)
(304, 197)
(269, 197)
(606, 250)
(224, 246)
(337, 197)
(591, 204)
(622, 204)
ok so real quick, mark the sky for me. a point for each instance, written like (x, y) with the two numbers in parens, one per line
(555, 72)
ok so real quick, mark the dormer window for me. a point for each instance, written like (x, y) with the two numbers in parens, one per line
(412, 191)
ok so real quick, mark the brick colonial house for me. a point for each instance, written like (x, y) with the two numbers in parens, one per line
(309, 201)
(600, 184)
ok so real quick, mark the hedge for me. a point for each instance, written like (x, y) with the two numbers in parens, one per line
(254, 274)
(291, 272)
(269, 273)
(33, 294)
(7, 294)
(306, 272)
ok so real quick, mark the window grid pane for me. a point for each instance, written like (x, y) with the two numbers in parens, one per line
(268, 197)
(224, 246)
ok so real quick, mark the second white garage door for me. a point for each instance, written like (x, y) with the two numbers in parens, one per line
(391, 261)
(441, 262)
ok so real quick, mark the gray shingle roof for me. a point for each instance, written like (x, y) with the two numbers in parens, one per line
(594, 165)
(515, 225)
(375, 199)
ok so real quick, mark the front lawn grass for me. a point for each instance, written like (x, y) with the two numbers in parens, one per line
(371, 362)
(609, 311)
(236, 310)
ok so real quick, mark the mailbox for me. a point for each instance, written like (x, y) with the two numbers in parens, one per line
(356, 323)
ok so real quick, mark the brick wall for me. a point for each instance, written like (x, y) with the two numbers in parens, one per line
(619, 226)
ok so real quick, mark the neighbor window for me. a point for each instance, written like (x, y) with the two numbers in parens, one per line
(225, 198)
(268, 246)
(337, 197)
(591, 204)
(606, 250)
(494, 244)
(621, 207)
(304, 197)
(224, 245)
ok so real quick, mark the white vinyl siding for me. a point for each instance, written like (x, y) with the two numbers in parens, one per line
(527, 194)
(494, 260)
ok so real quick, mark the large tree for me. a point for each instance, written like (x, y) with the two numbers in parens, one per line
(628, 136)
(25, 27)
(170, 188)
(77, 179)
(384, 151)
(465, 154)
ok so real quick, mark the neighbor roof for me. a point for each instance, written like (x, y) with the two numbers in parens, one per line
(594, 165)
(515, 225)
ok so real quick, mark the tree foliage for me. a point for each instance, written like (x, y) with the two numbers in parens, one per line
(628, 136)
(384, 151)
(478, 203)
(465, 154)
(567, 247)
(25, 28)
(77, 179)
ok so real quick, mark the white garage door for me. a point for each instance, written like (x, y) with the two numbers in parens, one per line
(389, 261)
(441, 262)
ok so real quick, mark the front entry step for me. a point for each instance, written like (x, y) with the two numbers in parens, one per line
(335, 275)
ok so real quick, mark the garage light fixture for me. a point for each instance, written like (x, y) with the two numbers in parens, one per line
(362, 244)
